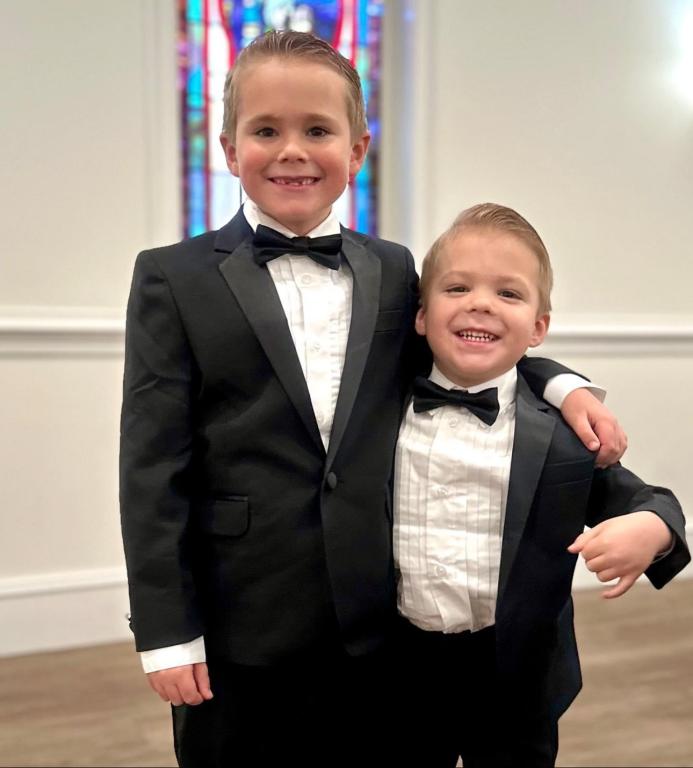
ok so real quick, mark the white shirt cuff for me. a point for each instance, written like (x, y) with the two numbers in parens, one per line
(174, 655)
(559, 387)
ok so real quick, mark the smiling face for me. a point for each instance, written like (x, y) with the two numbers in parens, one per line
(293, 149)
(481, 310)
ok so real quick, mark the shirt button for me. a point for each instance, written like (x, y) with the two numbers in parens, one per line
(306, 279)
(440, 571)
(453, 422)
(315, 346)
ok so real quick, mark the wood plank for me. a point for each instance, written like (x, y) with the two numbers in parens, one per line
(93, 707)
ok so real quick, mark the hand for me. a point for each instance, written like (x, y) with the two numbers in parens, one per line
(595, 425)
(623, 548)
(188, 684)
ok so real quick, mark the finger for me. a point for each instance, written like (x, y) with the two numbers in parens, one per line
(608, 574)
(580, 542)
(188, 691)
(597, 564)
(612, 441)
(585, 432)
(607, 456)
(201, 674)
(624, 584)
(595, 548)
(157, 687)
(172, 694)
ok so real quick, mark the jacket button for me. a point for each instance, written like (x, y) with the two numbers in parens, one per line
(331, 480)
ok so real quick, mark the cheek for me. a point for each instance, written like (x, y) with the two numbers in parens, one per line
(250, 156)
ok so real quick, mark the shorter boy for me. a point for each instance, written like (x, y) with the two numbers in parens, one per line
(492, 492)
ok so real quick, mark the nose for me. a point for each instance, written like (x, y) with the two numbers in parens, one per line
(292, 150)
(480, 301)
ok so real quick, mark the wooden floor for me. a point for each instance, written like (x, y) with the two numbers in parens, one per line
(92, 707)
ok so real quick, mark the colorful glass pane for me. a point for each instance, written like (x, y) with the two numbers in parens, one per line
(211, 34)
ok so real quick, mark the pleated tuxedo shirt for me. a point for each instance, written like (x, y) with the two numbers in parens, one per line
(451, 487)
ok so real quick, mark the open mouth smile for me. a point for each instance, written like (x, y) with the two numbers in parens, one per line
(483, 337)
(294, 181)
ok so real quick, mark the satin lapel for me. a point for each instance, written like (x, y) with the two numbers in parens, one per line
(256, 294)
(365, 302)
(233, 233)
(533, 431)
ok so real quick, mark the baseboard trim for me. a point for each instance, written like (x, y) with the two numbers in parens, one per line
(61, 582)
(61, 610)
(73, 609)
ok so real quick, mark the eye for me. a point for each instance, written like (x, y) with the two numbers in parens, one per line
(265, 132)
(317, 131)
(509, 293)
(457, 289)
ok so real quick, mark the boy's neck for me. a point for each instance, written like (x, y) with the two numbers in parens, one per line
(255, 216)
(506, 383)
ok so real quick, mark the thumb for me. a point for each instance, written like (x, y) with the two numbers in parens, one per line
(201, 675)
(583, 429)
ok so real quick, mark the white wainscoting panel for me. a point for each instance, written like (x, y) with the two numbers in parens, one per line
(54, 611)
(73, 595)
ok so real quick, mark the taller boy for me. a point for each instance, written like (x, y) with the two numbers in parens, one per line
(262, 397)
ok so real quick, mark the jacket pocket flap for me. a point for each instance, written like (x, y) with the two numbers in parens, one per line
(567, 472)
(226, 517)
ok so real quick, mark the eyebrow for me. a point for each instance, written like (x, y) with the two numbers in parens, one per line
(457, 273)
(267, 117)
(511, 281)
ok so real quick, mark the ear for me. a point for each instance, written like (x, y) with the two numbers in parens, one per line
(541, 327)
(420, 322)
(358, 155)
(230, 154)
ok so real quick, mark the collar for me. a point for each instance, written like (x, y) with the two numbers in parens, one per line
(506, 383)
(254, 216)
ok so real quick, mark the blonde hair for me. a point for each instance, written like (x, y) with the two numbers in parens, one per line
(492, 216)
(289, 44)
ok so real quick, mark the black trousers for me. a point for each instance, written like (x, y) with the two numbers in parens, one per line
(453, 705)
(330, 711)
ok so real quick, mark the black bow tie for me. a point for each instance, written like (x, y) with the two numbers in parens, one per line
(268, 244)
(428, 396)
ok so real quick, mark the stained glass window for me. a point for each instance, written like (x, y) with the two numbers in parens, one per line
(211, 34)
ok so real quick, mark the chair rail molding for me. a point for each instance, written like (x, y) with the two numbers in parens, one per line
(61, 332)
(98, 332)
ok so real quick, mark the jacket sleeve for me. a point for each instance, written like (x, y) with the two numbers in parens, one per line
(538, 370)
(155, 463)
(617, 491)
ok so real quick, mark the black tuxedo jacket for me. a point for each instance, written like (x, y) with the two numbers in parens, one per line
(554, 491)
(237, 524)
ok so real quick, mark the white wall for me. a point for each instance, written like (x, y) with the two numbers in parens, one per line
(88, 148)
(563, 110)
(575, 114)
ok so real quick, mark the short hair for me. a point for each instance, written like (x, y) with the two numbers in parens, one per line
(491, 216)
(289, 44)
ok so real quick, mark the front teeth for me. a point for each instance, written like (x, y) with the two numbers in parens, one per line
(295, 182)
(475, 336)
